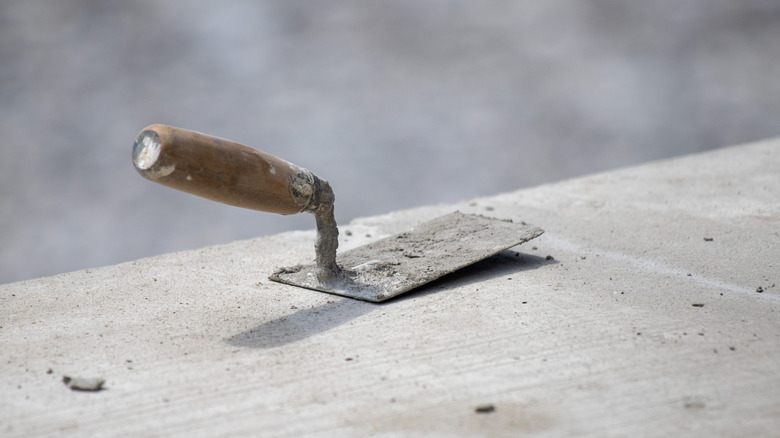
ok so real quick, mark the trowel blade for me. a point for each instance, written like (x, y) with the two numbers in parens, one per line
(391, 266)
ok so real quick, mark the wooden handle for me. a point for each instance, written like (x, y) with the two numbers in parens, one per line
(223, 171)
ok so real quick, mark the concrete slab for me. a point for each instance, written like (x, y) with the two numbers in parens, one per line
(648, 308)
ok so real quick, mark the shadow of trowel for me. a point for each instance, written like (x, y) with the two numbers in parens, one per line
(301, 324)
(505, 263)
(304, 323)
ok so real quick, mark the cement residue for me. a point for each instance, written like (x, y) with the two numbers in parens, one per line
(326, 245)
(327, 231)
(303, 187)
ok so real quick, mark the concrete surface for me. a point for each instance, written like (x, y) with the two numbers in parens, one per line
(421, 101)
(656, 315)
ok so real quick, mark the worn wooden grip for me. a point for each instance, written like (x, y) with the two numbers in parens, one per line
(223, 171)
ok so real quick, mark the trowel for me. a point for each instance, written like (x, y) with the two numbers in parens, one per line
(234, 174)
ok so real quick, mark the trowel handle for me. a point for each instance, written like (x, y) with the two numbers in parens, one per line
(223, 171)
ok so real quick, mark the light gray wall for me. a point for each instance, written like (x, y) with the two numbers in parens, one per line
(398, 103)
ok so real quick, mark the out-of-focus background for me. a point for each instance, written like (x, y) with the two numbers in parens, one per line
(398, 103)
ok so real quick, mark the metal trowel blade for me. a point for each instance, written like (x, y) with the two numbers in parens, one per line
(391, 266)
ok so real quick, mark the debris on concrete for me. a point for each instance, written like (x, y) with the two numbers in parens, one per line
(84, 383)
(485, 409)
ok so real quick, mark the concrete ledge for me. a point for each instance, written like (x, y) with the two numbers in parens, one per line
(656, 315)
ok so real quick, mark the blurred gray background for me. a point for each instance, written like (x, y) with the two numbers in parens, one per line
(397, 103)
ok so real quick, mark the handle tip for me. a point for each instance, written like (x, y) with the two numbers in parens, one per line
(146, 149)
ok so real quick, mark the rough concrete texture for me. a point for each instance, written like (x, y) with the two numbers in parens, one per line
(656, 315)
(398, 103)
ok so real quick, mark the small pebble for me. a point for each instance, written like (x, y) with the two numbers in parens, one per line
(83, 383)
(485, 409)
